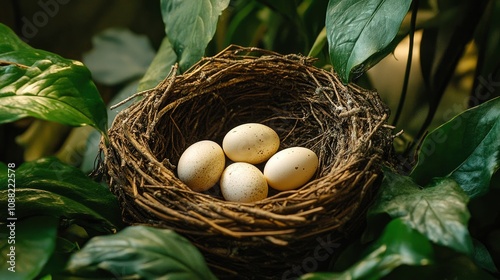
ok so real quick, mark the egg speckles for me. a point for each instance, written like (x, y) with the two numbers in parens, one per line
(243, 182)
(252, 142)
(290, 168)
(201, 165)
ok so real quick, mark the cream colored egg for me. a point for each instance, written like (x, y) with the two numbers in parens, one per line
(201, 165)
(243, 182)
(252, 142)
(290, 168)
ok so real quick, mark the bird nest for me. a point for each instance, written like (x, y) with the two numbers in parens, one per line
(289, 232)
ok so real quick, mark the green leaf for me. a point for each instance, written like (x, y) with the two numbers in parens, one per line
(399, 245)
(438, 211)
(359, 29)
(140, 252)
(32, 243)
(50, 188)
(158, 69)
(43, 85)
(190, 26)
(466, 149)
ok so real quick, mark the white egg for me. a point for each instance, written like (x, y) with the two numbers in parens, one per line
(243, 182)
(252, 142)
(290, 168)
(201, 165)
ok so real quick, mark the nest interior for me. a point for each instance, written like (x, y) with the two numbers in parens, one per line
(344, 124)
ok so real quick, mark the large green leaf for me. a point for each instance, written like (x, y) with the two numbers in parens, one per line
(140, 252)
(438, 211)
(50, 188)
(158, 69)
(466, 149)
(399, 245)
(32, 243)
(44, 85)
(190, 26)
(359, 29)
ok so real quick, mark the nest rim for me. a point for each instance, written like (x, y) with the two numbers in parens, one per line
(204, 215)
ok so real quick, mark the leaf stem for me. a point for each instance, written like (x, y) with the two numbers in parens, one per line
(404, 90)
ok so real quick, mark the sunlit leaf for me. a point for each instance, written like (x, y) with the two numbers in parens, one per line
(40, 84)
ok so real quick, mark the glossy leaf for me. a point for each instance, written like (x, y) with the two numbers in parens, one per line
(438, 211)
(50, 188)
(466, 149)
(140, 252)
(398, 245)
(34, 242)
(160, 67)
(36, 83)
(359, 29)
(190, 26)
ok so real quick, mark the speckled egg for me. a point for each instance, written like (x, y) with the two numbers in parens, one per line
(243, 182)
(251, 142)
(201, 165)
(290, 168)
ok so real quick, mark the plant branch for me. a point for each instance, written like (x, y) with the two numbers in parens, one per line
(408, 62)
